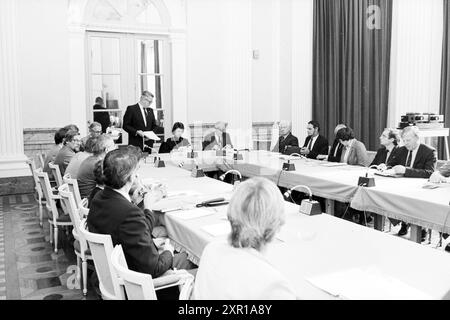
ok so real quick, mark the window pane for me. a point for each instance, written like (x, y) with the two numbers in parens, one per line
(107, 87)
(154, 85)
(149, 56)
(105, 55)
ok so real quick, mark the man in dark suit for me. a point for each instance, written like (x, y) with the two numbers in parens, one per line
(101, 117)
(139, 118)
(335, 153)
(414, 160)
(389, 140)
(285, 139)
(112, 212)
(218, 139)
(315, 144)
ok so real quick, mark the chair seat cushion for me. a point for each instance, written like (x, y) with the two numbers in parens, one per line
(76, 246)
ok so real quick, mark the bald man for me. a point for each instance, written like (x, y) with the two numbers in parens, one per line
(285, 139)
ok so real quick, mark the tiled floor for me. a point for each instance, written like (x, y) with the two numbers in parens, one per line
(29, 268)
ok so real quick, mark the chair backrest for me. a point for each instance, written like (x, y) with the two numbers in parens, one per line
(83, 208)
(41, 160)
(186, 290)
(44, 182)
(101, 247)
(139, 286)
(56, 173)
(37, 186)
(70, 205)
(73, 187)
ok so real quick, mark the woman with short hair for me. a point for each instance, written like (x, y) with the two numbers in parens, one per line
(354, 151)
(176, 141)
(238, 269)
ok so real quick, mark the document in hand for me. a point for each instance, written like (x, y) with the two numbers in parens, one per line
(366, 284)
(151, 135)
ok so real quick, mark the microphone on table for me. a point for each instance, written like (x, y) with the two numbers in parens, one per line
(157, 159)
(196, 171)
(308, 206)
(192, 154)
(288, 166)
(236, 182)
(237, 155)
(367, 181)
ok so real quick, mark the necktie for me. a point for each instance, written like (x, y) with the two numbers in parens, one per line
(408, 160)
(310, 144)
(146, 112)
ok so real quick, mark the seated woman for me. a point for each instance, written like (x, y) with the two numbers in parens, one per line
(336, 149)
(175, 142)
(354, 151)
(389, 140)
(238, 269)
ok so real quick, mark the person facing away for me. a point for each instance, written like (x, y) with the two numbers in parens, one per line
(86, 176)
(72, 141)
(286, 138)
(112, 212)
(218, 139)
(53, 152)
(100, 114)
(336, 149)
(79, 157)
(176, 141)
(389, 140)
(139, 118)
(315, 144)
(354, 152)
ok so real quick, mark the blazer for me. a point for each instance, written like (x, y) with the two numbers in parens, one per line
(283, 143)
(110, 213)
(229, 273)
(338, 147)
(424, 163)
(170, 144)
(133, 121)
(357, 154)
(63, 158)
(210, 141)
(381, 156)
(319, 147)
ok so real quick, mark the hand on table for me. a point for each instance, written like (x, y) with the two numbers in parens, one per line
(382, 167)
(399, 169)
(436, 177)
(322, 157)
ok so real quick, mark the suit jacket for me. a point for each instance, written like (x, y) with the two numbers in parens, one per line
(170, 144)
(110, 213)
(357, 154)
(283, 143)
(102, 117)
(381, 156)
(133, 121)
(63, 158)
(336, 145)
(424, 163)
(319, 147)
(210, 141)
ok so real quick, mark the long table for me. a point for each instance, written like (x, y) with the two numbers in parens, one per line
(399, 198)
(307, 246)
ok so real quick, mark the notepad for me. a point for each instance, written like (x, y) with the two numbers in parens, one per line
(366, 284)
(218, 229)
(191, 214)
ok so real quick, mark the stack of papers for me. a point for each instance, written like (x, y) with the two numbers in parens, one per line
(191, 214)
(370, 284)
(151, 135)
(332, 164)
(218, 229)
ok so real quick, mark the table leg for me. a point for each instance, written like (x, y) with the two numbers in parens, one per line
(378, 223)
(329, 204)
(416, 233)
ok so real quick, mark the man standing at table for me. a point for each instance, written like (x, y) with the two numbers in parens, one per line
(414, 160)
(139, 118)
(286, 139)
(315, 144)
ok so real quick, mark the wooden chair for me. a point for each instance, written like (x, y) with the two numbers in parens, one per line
(39, 195)
(80, 245)
(41, 158)
(83, 207)
(141, 286)
(73, 187)
(56, 218)
(56, 174)
(101, 247)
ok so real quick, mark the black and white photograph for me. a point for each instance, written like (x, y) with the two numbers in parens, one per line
(221, 157)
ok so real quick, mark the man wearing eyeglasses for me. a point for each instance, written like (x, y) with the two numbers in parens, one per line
(140, 118)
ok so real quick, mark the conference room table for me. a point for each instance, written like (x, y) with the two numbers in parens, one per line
(323, 257)
(404, 199)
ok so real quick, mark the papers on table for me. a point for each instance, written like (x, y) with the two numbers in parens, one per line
(151, 135)
(182, 194)
(218, 229)
(332, 164)
(431, 185)
(388, 173)
(359, 284)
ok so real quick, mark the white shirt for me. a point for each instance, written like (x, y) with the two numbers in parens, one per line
(228, 273)
(143, 113)
(124, 194)
(414, 153)
(347, 150)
